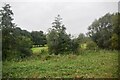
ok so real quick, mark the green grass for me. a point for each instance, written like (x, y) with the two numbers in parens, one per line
(100, 64)
(37, 50)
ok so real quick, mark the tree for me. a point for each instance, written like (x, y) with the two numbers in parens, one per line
(101, 30)
(74, 47)
(15, 44)
(23, 42)
(106, 31)
(81, 38)
(7, 27)
(24, 45)
(38, 38)
(115, 39)
(58, 39)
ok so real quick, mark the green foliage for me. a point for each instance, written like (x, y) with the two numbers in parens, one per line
(102, 64)
(23, 42)
(116, 31)
(16, 42)
(91, 45)
(58, 39)
(24, 46)
(81, 38)
(86, 43)
(74, 46)
(103, 30)
(43, 52)
(38, 38)
(37, 50)
(114, 41)
(7, 26)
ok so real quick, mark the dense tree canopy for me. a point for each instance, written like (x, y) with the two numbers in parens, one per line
(13, 39)
(105, 31)
(38, 38)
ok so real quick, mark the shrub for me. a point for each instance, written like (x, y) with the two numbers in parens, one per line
(74, 46)
(24, 46)
(91, 45)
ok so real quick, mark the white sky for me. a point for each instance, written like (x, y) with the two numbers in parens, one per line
(77, 15)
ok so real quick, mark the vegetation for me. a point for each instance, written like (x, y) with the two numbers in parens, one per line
(58, 39)
(38, 50)
(100, 64)
(17, 42)
(56, 54)
(7, 29)
(38, 38)
(105, 31)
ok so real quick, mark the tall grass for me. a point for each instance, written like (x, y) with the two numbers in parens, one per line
(89, 64)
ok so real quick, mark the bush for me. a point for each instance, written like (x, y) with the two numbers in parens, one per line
(24, 45)
(74, 46)
(24, 52)
(91, 45)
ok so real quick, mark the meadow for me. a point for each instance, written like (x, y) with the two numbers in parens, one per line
(88, 64)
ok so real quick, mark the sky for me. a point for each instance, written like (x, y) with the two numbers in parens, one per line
(77, 15)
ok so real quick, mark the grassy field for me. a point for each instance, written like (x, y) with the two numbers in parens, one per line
(37, 50)
(100, 64)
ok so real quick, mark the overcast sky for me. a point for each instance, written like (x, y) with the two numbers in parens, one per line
(77, 16)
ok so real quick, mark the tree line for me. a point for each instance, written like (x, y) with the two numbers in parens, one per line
(102, 33)
(15, 41)
(105, 31)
